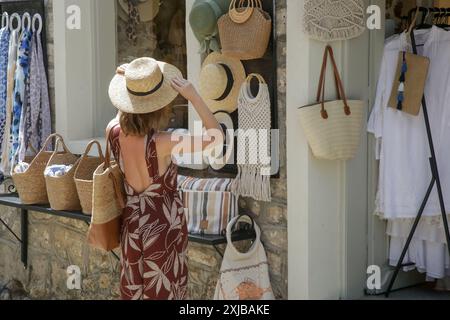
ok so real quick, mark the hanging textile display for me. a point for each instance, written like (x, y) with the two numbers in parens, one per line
(4, 47)
(22, 73)
(12, 57)
(37, 114)
(253, 178)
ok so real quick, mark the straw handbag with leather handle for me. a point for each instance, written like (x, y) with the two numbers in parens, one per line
(108, 201)
(62, 192)
(84, 175)
(332, 128)
(245, 30)
(31, 184)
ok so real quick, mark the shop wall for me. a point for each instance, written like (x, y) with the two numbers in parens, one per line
(327, 200)
(271, 217)
(54, 244)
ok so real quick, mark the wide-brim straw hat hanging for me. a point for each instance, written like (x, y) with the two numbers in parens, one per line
(203, 21)
(148, 9)
(143, 86)
(221, 79)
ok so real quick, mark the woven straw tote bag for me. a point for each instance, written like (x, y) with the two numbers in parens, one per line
(30, 184)
(108, 201)
(84, 175)
(245, 30)
(332, 128)
(62, 192)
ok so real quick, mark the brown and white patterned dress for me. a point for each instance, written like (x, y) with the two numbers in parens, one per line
(154, 234)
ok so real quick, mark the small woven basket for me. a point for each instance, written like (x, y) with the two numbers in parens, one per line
(62, 191)
(245, 31)
(31, 184)
(84, 176)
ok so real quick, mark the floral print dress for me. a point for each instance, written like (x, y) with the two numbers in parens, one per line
(154, 234)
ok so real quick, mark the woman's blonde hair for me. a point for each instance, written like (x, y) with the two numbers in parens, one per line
(141, 124)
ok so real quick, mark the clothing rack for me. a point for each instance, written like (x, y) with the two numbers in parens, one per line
(31, 7)
(435, 181)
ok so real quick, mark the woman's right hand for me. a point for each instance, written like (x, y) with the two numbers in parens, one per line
(185, 88)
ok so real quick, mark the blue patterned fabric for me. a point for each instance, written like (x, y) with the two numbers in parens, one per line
(21, 78)
(4, 49)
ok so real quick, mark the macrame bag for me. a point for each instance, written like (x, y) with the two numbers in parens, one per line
(245, 30)
(332, 128)
(108, 201)
(345, 19)
(244, 276)
(254, 142)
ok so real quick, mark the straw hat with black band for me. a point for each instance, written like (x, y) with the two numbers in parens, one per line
(228, 127)
(148, 9)
(221, 79)
(143, 86)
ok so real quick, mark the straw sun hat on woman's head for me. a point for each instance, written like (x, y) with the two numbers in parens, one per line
(143, 86)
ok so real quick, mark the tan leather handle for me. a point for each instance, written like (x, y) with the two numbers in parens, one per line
(339, 85)
(107, 164)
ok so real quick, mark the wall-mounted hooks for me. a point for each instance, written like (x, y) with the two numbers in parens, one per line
(5, 19)
(37, 17)
(15, 16)
(26, 21)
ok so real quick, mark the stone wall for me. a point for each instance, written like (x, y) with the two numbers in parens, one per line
(56, 243)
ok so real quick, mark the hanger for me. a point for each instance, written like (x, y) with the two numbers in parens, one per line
(5, 19)
(423, 24)
(19, 22)
(37, 17)
(26, 21)
(443, 23)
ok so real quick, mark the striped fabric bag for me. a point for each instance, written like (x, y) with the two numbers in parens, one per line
(209, 204)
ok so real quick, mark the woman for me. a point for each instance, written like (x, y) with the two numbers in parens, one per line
(154, 231)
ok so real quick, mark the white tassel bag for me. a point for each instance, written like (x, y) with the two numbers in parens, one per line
(244, 276)
(254, 142)
(332, 128)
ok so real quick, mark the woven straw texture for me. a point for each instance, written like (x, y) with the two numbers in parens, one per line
(248, 40)
(62, 192)
(333, 20)
(210, 82)
(84, 176)
(105, 203)
(143, 75)
(31, 184)
(335, 138)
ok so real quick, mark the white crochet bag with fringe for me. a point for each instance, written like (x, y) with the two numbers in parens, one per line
(333, 20)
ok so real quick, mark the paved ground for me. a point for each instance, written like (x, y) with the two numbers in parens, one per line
(418, 293)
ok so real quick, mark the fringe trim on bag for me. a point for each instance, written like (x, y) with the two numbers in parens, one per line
(250, 182)
(335, 35)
